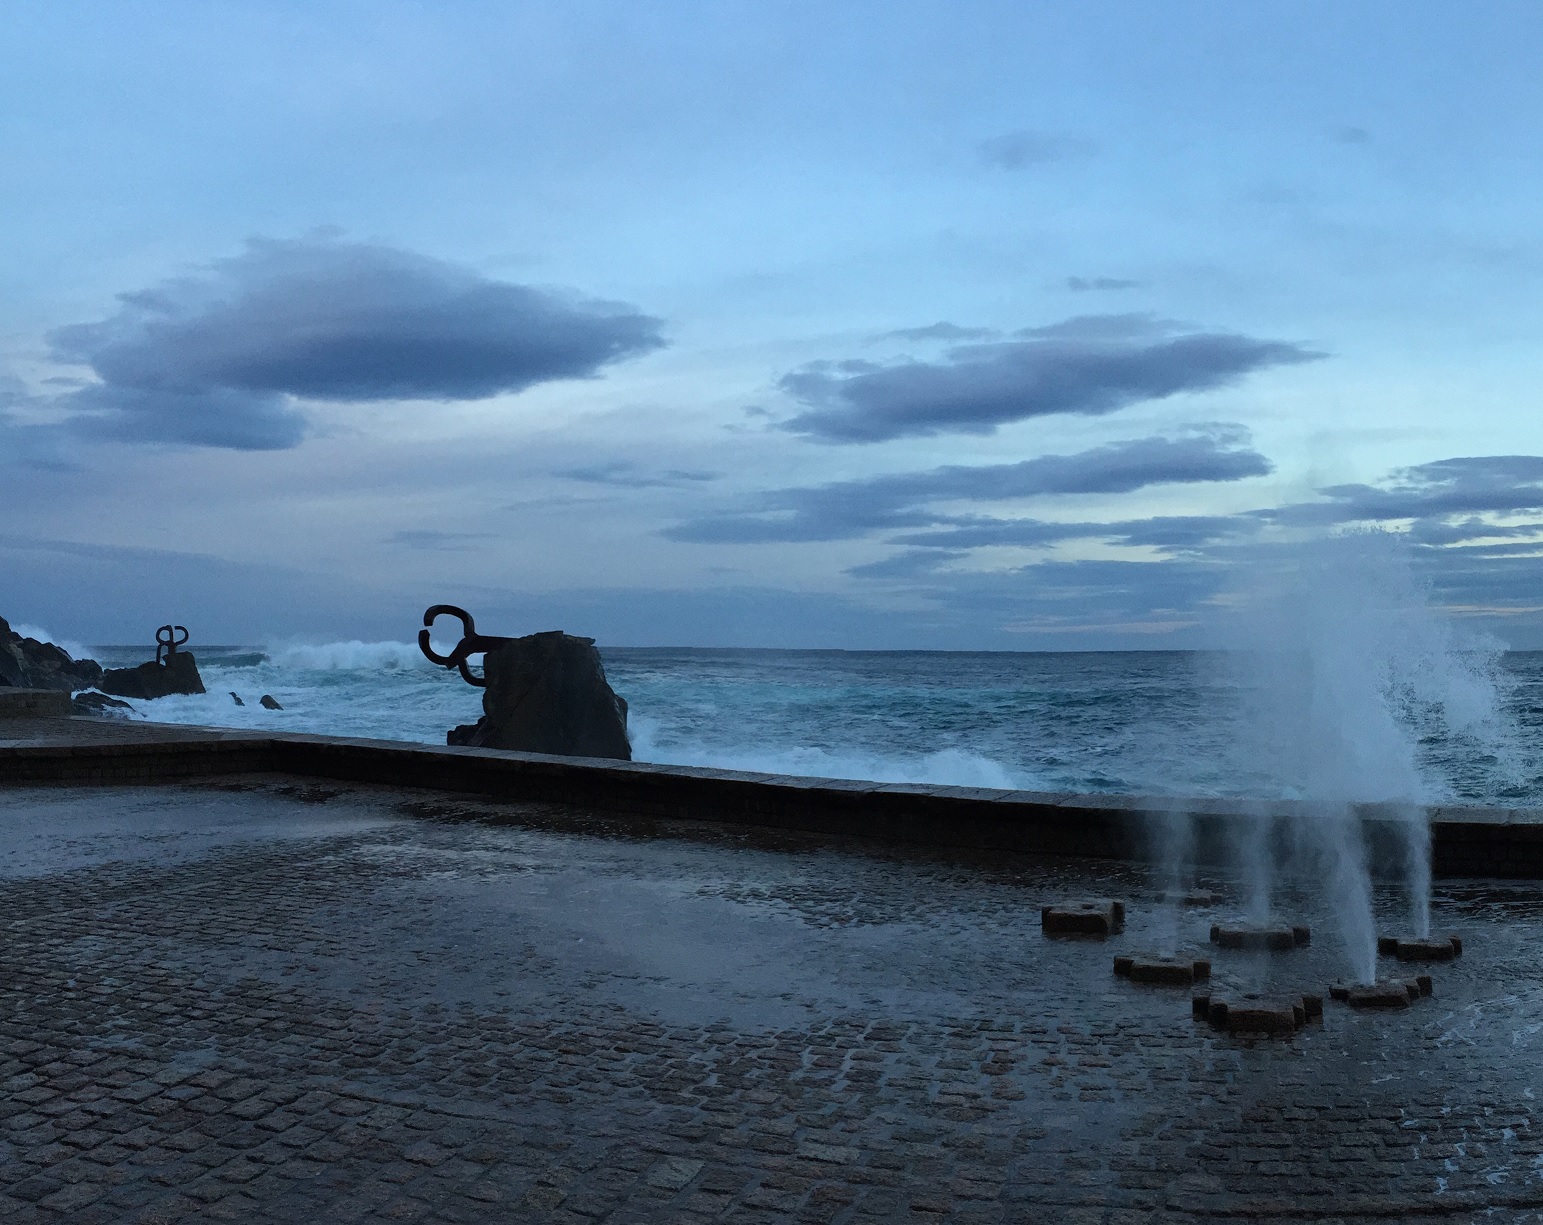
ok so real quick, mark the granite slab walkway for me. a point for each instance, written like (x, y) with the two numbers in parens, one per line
(267, 999)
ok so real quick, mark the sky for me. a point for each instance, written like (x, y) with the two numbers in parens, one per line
(954, 325)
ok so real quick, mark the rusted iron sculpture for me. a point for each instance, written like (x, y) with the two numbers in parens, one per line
(167, 642)
(542, 693)
(472, 643)
(171, 671)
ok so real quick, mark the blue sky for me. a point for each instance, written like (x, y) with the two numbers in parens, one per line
(960, 325)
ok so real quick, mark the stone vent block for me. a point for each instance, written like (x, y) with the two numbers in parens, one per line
(1420, 948)
(1256, 939)
(1095, 917)
(1255, 1015)
(1162, 969)
(1384, 993)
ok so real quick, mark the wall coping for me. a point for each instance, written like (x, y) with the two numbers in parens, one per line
(1466, 840)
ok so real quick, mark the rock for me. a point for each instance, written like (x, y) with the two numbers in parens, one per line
(92, 702)
(1099, 917)
(26, 663)
(1164, 969)
(269, 702)
(547, 693)
(236, 698)
(179, 674)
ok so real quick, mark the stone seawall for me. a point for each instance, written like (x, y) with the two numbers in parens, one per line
(1465, 841)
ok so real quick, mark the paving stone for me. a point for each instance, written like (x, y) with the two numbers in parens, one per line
(393, 1007)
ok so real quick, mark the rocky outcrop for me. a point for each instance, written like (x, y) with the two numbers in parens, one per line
(179, 674)
(547, 693)
(26, 663)
(93, 703)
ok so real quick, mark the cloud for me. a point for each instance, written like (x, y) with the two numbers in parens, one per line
(625, 475)
(1165, 533)
(1090, 284)
(938, 331)
(1091, 365)
(218, 358)
(1025, 147)
(848, 509)
(1465, 485)
(432, 541)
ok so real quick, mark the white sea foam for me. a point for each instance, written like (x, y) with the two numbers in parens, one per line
(946, 767)
(351, 656)
(74, 649)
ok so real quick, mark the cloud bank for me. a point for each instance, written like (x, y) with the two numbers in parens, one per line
(218, 358)
(1091, 365)
(847, 509)
(1026, 147)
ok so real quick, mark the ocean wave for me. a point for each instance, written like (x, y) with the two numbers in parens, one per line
(351, 656)
(75, 650)
(946, 767)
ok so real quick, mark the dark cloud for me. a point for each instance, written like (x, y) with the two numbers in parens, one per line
(1440, 533)
(911, 564)
(213, 417)
(1093, 284)
(1166, 533)
(1468, 485)
(626, 475)
(1091, 365)
(216, 358)
(939, 331)
(848, 509)
(1024, 148)
(432, 541)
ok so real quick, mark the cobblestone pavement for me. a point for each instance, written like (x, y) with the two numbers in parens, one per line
(273, 1000)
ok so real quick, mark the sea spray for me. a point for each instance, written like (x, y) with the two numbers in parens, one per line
(945, 767)
(1257, 855)
(1134, 723)
(352, 656)
(1346, 665)
(74, 650)
(1175, 842)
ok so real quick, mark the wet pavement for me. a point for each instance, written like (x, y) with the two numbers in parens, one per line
(271, 999)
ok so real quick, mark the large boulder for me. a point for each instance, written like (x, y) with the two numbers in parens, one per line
(547, 693)
(179, 674)
(99, 704)
(26, 663)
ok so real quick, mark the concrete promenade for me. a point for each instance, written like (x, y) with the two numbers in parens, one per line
(268, 997)
(1465, 841)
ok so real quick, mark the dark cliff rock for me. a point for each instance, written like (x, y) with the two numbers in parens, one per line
(179, 674)
(547, 693)
(93, 703)
(26, 663)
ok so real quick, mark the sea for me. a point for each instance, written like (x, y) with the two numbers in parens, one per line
(1155, 723)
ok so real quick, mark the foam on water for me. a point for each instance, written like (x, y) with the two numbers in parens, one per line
(945, 767)
(351, 656)
(1154, 723)
(73, 649)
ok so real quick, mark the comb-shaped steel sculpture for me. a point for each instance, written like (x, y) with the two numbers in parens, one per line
(167, 642)
(472, 643)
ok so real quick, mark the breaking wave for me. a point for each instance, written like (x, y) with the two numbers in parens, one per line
(351, 656)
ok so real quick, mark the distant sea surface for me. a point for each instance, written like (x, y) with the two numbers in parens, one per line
(1148, 722)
